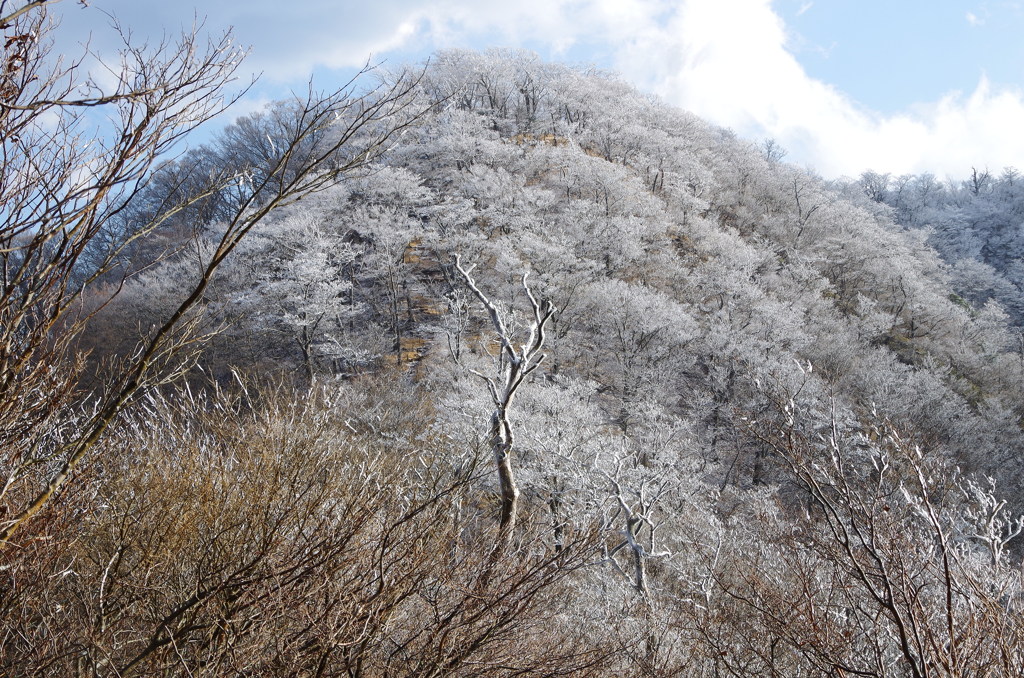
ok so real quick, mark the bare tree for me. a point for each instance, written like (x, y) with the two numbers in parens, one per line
(515, 363)
(886, 576)
(61, 185)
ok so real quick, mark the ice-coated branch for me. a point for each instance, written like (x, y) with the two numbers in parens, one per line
(518, 365)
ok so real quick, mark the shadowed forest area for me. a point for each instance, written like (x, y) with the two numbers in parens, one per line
(489, 367)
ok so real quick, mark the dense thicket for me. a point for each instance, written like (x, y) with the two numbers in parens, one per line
(976, 226)
(765, 437)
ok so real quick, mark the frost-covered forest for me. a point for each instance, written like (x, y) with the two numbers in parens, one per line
(491, 367)
(974, 225)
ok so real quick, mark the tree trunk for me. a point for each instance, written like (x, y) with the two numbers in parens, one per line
(501, 446)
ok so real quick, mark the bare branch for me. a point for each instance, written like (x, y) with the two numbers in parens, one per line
(59, 195)
(518, 365)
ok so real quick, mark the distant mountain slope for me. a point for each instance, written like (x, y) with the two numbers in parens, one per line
(687, 266)
(976, 225)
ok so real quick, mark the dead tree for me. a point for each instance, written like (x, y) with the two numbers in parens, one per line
(514, 364)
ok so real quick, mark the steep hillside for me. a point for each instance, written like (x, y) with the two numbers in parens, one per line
(766, 437)
(691, 273)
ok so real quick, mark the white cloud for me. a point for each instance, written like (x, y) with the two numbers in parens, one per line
(974, 20)
(726, 61)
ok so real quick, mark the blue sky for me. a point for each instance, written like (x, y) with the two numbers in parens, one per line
(846, 85)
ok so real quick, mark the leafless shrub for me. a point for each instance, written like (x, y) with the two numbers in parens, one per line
(224, 538)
